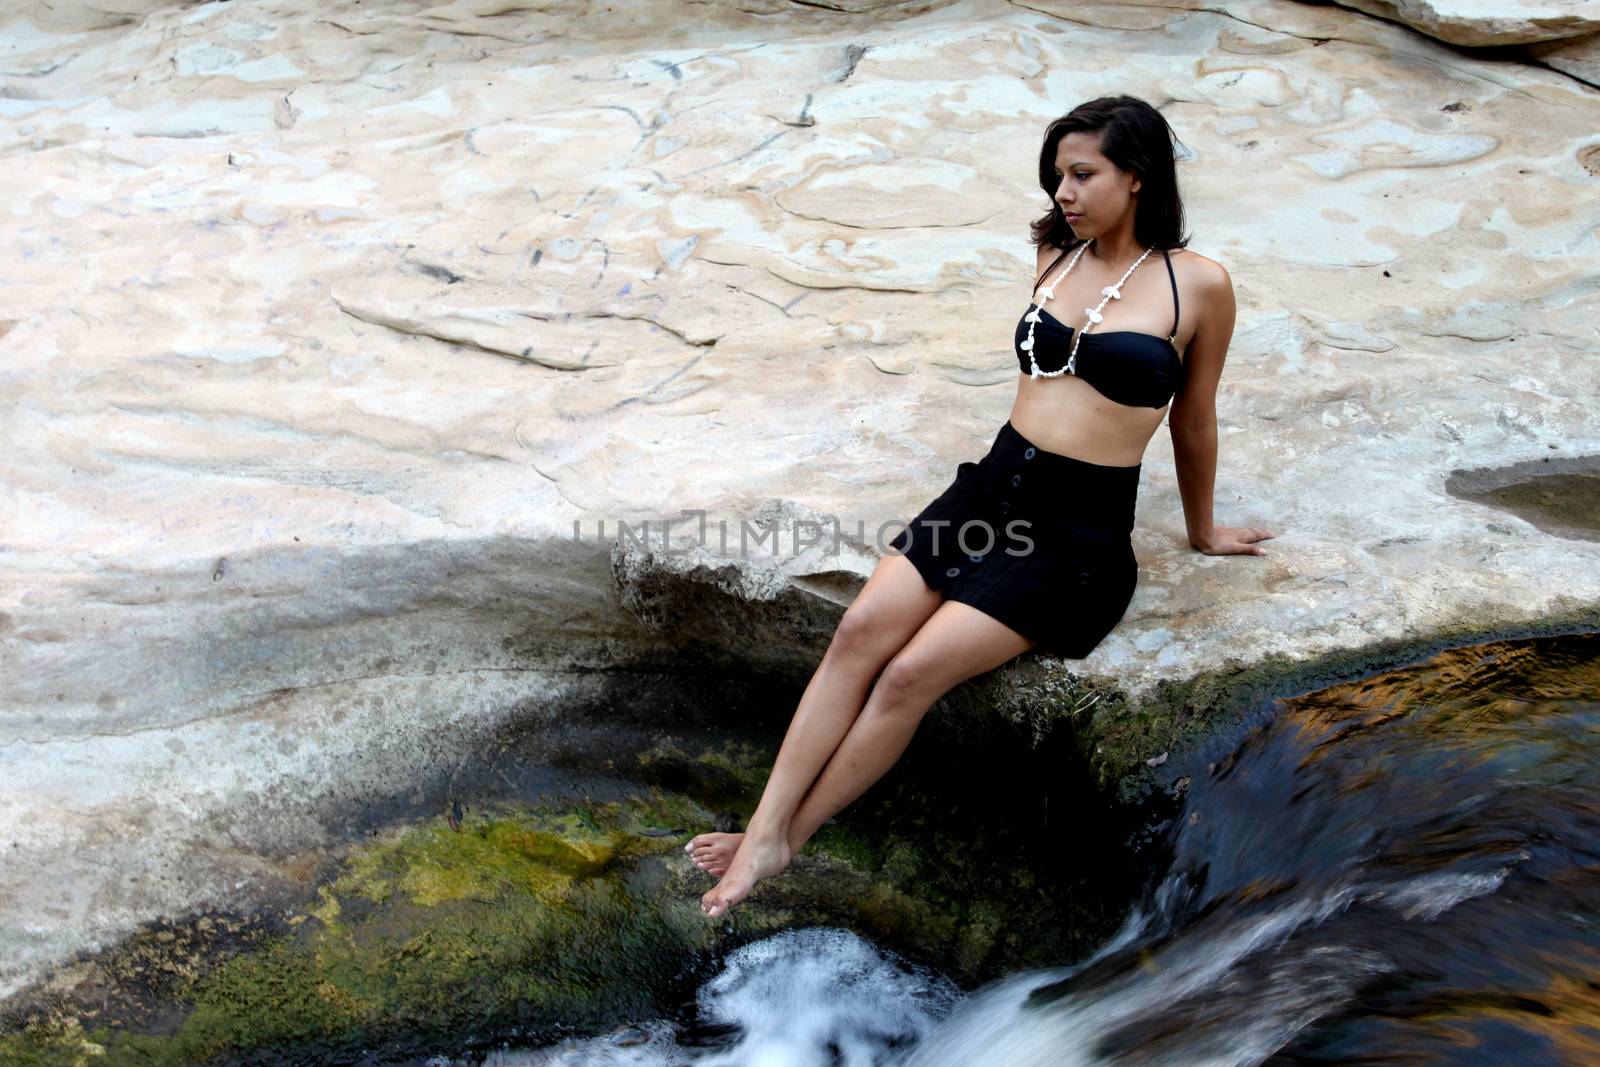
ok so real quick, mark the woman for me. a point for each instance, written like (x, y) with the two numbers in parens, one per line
(1056, 489)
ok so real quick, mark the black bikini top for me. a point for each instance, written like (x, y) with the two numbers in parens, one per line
(1126, 366)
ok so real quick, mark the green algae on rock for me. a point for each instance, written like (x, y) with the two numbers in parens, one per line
(526, 922)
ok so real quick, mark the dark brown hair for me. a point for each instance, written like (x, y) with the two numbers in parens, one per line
(1135, 137)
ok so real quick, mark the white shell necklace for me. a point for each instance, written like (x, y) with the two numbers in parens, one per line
(1110, 292)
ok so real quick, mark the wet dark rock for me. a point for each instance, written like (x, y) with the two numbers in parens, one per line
(1559, 495)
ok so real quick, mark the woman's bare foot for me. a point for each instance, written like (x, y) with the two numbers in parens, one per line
(757, 858)
(713, 852)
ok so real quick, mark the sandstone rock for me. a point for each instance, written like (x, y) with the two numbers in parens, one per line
(323, 328)
(1579, 58)
(1489, 22)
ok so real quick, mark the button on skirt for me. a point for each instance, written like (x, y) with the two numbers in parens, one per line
(1038, 540)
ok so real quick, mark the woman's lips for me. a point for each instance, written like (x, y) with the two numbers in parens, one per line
(1071, 215)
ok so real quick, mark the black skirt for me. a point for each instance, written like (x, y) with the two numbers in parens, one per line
(1035, 539)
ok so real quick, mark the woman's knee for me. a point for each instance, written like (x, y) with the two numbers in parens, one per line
(904, 684)
(860, 635)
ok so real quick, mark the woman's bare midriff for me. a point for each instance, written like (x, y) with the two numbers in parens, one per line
(1069, 416)
(1066, 414)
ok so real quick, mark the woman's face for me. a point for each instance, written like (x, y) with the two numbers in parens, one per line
(1093, 193)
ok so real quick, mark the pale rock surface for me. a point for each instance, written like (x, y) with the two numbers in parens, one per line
(1489, 22)
(1579, 58)
(324, 322)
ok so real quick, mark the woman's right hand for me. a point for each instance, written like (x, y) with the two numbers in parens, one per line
(1235, 541)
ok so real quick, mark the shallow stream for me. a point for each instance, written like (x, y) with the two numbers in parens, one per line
(1400, 870)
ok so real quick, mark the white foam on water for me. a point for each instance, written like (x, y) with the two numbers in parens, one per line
(1430, 897)
(800, 998)
(825, 996)
(651, 1045)
(801, 992)
(996, 1028)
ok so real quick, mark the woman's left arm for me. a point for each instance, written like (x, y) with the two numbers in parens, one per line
(1193, 423)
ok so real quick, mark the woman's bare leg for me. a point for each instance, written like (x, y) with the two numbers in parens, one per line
(956, 643)
(887, 611)
(714, 853)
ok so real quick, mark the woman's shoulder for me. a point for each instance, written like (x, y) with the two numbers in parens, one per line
(1205, 272)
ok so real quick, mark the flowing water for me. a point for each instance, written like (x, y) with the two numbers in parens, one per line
(804, 997)
(1402, 870)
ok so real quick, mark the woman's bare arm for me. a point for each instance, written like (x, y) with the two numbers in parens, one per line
(1193, 422)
